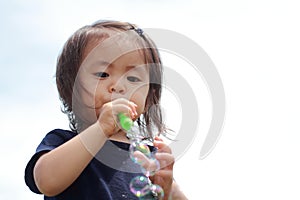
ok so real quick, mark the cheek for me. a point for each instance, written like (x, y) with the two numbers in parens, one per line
(98, 98)
(139, 97)
(83, 109)
(88, 98)
(85, 98)
(86, 88)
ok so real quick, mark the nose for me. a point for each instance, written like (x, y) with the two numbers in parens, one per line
(117, 88)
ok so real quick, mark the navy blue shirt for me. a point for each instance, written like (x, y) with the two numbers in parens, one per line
(106, 177)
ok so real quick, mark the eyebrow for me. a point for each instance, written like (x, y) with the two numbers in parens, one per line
(138, 68)
(130, 67)
(106, 64)
(103, 62)
(99, 63)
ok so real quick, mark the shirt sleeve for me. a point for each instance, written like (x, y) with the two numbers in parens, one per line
(52, 140)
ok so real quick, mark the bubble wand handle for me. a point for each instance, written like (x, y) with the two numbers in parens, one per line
(125, 121)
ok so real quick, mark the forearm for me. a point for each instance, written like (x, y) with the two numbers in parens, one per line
(176, 193)
(59, 168)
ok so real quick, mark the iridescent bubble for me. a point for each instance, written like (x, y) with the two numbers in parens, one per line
(140, 186)
(139, 151)
(150, 167)
(157, 191)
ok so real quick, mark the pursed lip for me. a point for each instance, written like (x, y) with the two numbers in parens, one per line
(116, 96)
(110, 99)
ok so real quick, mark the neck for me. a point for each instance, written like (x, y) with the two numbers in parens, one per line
(120, 136)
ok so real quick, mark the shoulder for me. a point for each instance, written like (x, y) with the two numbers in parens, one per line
(57, 137)
(64, 134)
(52, 140)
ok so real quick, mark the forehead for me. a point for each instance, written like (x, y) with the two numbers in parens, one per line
(109, 45)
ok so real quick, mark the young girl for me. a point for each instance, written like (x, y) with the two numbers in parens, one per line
(104, 69)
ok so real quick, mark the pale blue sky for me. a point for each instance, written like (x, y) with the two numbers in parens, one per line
(254, 45)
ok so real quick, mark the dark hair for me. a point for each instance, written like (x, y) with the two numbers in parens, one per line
(72, 56)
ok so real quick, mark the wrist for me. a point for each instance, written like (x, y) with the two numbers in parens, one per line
(105, 129)
(176, 193)
(93, 138)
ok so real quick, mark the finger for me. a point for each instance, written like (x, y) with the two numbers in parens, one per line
(158, 138)
(108, 115)
(122, 108)
(165, 160)
(163, 178)
(131, 107)
(164, 174)
(150, 165)
(140, 158)
(124, 101)
(162, 147)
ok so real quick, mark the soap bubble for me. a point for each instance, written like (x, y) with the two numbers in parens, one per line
(139, 151)
(150, 167)
(140, 186)
(157, 191)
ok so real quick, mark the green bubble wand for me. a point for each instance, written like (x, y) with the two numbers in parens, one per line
(125, 121)
(127, 124)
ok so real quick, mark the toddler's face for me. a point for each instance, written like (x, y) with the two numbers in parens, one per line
(111, 72)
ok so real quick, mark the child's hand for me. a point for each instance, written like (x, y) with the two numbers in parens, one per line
(164, 176)
(107, 117)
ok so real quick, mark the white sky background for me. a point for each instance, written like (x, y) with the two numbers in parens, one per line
(255, 46)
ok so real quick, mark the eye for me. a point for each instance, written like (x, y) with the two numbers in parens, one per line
(102, 74)
(133, 79)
